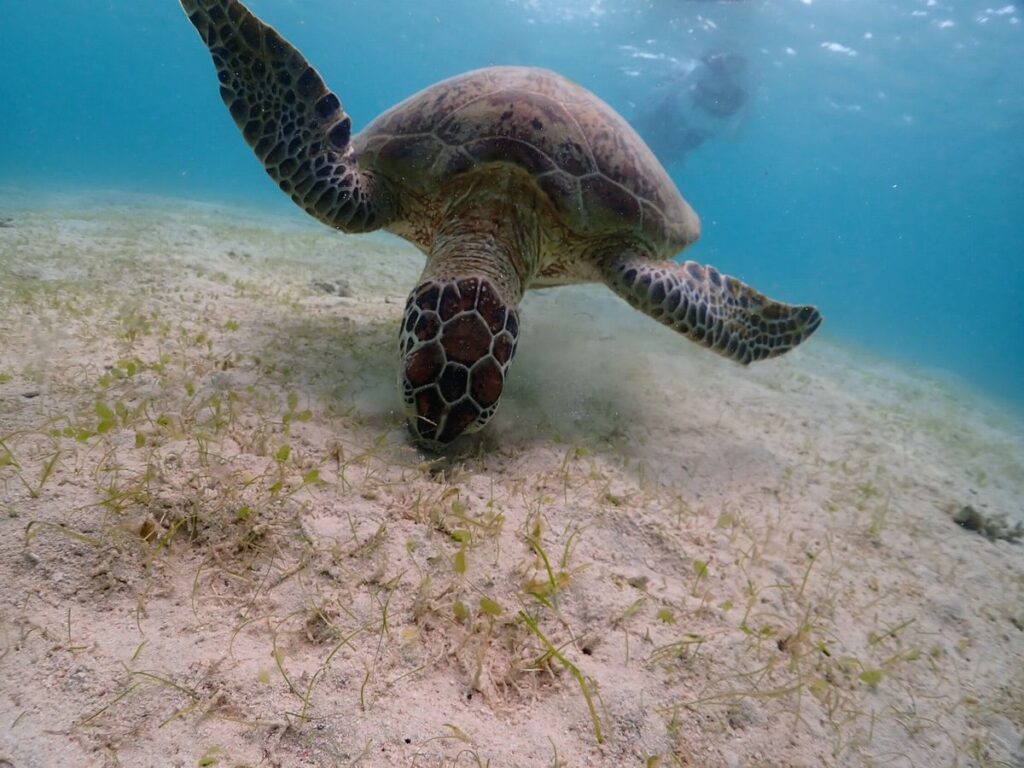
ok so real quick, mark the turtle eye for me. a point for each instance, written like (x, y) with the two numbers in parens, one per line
(457, 341)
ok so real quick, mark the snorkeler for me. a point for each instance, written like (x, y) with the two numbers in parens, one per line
(700, 100)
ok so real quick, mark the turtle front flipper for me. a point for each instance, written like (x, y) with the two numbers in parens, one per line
(294, 124)
(712, 309)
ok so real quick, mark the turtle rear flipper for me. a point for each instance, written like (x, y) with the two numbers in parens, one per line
(294, 124)
(712, 309)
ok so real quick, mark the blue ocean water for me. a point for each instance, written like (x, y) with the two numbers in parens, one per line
(869, 159)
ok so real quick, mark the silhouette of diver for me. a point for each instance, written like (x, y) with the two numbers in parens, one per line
(699, 100)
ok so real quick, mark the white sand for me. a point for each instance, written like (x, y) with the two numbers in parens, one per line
(745, 567)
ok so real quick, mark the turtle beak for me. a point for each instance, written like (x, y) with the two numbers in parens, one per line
(456, 342)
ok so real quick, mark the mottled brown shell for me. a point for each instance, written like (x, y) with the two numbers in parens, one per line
(598, 173)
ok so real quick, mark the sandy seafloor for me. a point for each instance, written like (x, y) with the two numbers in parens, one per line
(218, 547)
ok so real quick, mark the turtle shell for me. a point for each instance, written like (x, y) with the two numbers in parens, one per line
(599, 175)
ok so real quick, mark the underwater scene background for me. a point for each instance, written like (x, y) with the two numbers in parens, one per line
(858, 154)
(221, 544)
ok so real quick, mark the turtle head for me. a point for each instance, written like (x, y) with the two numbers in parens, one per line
(456, 342)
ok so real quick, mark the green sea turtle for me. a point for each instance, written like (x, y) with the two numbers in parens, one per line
(506, 178)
